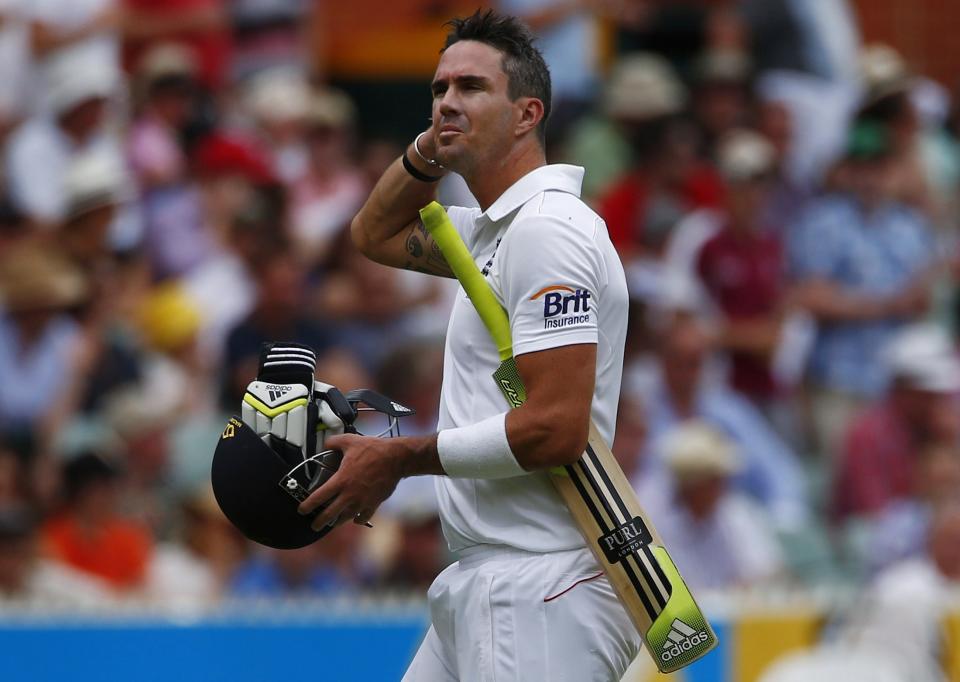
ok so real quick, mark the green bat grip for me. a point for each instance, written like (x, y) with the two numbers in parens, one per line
(494, 318)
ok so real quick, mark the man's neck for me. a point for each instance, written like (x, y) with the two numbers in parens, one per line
(489, 182)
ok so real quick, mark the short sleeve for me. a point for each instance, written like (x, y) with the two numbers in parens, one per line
(551, 279)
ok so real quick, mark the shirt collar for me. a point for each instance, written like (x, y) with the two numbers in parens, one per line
(559, 176)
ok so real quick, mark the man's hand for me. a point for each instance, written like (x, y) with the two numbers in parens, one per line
(368, 475)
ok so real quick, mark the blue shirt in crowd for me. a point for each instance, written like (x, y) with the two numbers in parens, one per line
(867, 254)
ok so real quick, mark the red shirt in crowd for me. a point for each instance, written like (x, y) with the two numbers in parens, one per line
(877, 463)
(116, 551)
(743, 273)
(624, 206)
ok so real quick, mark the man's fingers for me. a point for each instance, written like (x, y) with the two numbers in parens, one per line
(339, 442)
(333, 513)
(320, 496)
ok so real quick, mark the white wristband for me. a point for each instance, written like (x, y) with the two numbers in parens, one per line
(480, 450)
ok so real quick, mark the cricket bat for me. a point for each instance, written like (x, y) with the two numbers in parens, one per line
(595, 489)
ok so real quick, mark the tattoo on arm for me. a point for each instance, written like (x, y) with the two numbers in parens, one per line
(423, 253)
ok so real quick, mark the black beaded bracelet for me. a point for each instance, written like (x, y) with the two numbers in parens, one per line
(418, 175)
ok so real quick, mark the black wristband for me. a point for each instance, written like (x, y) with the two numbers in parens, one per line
(416, 174)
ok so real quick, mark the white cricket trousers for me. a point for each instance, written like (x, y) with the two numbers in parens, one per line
(504, 615)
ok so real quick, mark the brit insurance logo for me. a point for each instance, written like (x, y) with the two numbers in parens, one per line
(563, 306)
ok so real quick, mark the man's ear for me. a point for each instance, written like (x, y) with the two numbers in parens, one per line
(530, 110)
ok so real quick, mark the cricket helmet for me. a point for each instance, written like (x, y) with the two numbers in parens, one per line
(259, 491)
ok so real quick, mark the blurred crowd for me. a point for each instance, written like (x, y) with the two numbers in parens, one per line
(176, 188)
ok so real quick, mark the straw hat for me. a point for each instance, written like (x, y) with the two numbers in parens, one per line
(36, 278)
(696, 449)
(278, 95)
(330, 108)
(643, 86)
(744, 154)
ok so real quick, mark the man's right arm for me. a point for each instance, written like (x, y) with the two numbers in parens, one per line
(388, 229)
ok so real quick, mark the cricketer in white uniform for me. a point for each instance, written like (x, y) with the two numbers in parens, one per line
(524, 571)
(526, 601)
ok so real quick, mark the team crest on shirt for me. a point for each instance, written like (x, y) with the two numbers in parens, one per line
(563, 306)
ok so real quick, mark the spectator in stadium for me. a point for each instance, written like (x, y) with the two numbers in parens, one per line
(94, 189)
(900, 530)
(862, 263)
(878, 464)
(665, 169)
(28, 577)
(202, 26)
(192, 570)
(278, 101)
(333, 187)
(42, 349)
(144, 419)
(926, 170)
(682, 387)
(164, 86)
(718, 537)
(640, 88)
(279, 313)
(721, 96)
(742, 267)
(787, 196)
(90, 534)
(41, 149)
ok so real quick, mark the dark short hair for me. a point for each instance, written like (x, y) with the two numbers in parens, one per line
(527, 72)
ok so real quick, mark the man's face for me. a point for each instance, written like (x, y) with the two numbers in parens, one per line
(473, 116)
(745, 198)
(701, 495)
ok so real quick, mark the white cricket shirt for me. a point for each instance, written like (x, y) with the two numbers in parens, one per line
(552, 266)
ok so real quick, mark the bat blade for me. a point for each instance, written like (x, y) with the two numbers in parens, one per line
(632, 554)
(600, 498)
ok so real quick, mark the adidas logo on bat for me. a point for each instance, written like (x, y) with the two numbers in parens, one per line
(681, 639)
